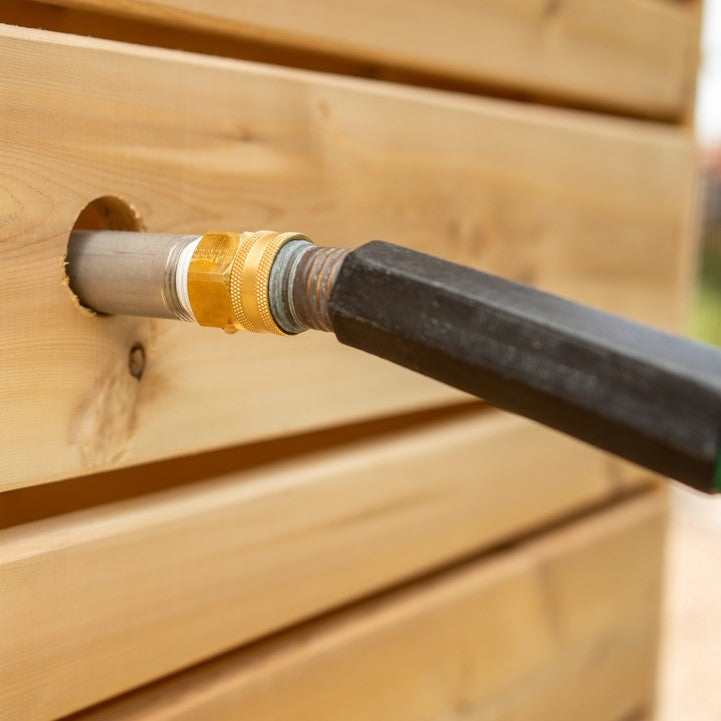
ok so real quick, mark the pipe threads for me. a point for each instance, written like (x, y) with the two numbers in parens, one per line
(313, 283)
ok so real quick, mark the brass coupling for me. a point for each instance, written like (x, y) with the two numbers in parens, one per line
(228, 279)
(262, 281)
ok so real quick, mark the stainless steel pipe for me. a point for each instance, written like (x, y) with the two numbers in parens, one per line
(126, 273)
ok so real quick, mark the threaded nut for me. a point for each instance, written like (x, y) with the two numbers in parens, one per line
(228, 280)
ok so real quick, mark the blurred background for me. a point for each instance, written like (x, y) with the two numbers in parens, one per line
(691, 658)
(706, 319)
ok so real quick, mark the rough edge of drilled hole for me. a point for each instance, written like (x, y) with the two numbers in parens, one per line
(108, 212)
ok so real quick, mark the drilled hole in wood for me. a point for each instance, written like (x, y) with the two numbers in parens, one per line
(108, 212)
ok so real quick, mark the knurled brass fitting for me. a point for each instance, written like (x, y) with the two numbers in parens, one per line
(228, 278)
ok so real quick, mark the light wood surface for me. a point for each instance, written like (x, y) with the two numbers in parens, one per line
(691, 648)
(591, 207)
(635, 56)
(104, 599)
(561, 628)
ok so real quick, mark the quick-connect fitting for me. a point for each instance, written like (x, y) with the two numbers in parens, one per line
(228, 279)
(263, 281)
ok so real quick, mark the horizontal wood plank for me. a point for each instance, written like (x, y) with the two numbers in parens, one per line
(635, 56)
(98, 601)
(560, 628)
(593, 208)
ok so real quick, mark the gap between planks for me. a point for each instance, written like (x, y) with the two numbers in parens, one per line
(541, 629)
(540, 51)
(136, 589)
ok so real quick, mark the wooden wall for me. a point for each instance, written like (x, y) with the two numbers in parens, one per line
(278, 528)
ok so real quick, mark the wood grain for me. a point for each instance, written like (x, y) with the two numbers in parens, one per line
(559, 628)
(593, 208)
(101, 600)
(634, 56)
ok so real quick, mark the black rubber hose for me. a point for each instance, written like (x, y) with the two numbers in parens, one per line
(644, 395)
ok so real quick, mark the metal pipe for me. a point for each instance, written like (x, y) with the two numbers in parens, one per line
(301, 280)
(124, 273)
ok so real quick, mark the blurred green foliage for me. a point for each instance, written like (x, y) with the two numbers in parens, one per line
(706, 316)
(706, 309)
